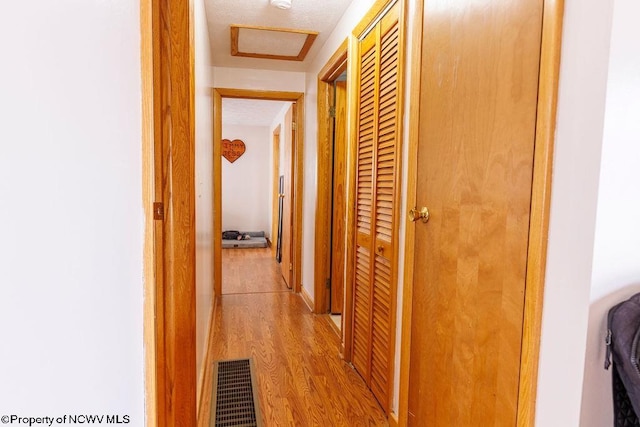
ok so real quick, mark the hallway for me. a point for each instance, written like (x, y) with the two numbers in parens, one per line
(301, 379)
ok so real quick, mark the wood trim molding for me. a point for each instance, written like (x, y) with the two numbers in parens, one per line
(322, 267)
(170, 87)
(206, 379)
(307, 299)
(275, 187)
(352, 105)
(540, 204)
(298, 175)
(336, 65)
(259, 94)
(414, 77)
(302, 54)
(324, 191)
(369, 19)
(402, 67)
(217, 193)
(147, 47)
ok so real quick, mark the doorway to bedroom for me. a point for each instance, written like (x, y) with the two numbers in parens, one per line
(256, 149)
(251, 253)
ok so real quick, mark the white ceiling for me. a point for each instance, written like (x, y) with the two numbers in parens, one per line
(315, 15)
(250, 112)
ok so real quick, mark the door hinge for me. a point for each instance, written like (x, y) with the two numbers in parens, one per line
(328, 284)
(158, 211)
(290, 267)
(332, 112)
(294, 125)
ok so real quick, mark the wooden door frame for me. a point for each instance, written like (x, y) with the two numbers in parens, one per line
(339, 198)
(335, 66)
(275, 188)
(168, 153)
(539, 220)
(298, 165)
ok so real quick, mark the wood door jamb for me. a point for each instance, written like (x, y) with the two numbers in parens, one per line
(275, 142)
(169, 254)
(553, 12)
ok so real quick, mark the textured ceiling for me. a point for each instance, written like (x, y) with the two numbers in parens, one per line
(314, 15)
(250, 112)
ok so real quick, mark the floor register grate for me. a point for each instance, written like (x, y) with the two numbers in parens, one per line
(234, 397)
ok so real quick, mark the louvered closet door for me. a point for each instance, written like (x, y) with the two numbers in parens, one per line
(377, 165)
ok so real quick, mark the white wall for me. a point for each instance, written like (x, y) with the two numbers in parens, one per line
(244, 78)
(203, 179)
(616, 259)
(349, 20)
(583, 78)
(71, 216)
(246, 183)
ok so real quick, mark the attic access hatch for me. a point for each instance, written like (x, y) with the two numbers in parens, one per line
(271, 43)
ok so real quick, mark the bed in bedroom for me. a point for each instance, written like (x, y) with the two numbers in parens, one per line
(255, 239)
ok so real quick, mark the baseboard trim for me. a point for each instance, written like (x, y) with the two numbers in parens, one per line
(393, 420)
(335, 327)
(306, 298)
(206, 378)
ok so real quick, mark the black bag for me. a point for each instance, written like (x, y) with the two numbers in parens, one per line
(230, 235)
(623, 346)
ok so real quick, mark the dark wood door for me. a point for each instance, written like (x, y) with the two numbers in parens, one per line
(478, 104)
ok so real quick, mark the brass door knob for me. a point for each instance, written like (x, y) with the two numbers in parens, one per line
(423, 214)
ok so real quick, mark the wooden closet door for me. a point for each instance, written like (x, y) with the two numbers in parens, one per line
(376, 206)
(478, 106)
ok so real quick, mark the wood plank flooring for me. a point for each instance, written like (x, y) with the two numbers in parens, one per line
(301, 379)
(250, 270)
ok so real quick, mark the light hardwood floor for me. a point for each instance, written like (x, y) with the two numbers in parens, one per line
(301, 379)
(250, 271)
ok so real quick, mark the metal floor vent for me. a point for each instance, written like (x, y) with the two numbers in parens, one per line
(234, 397)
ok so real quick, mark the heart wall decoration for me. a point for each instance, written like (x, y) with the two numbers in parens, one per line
(232, 150)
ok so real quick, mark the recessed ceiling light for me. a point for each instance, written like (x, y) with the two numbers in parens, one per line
(281, 4)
